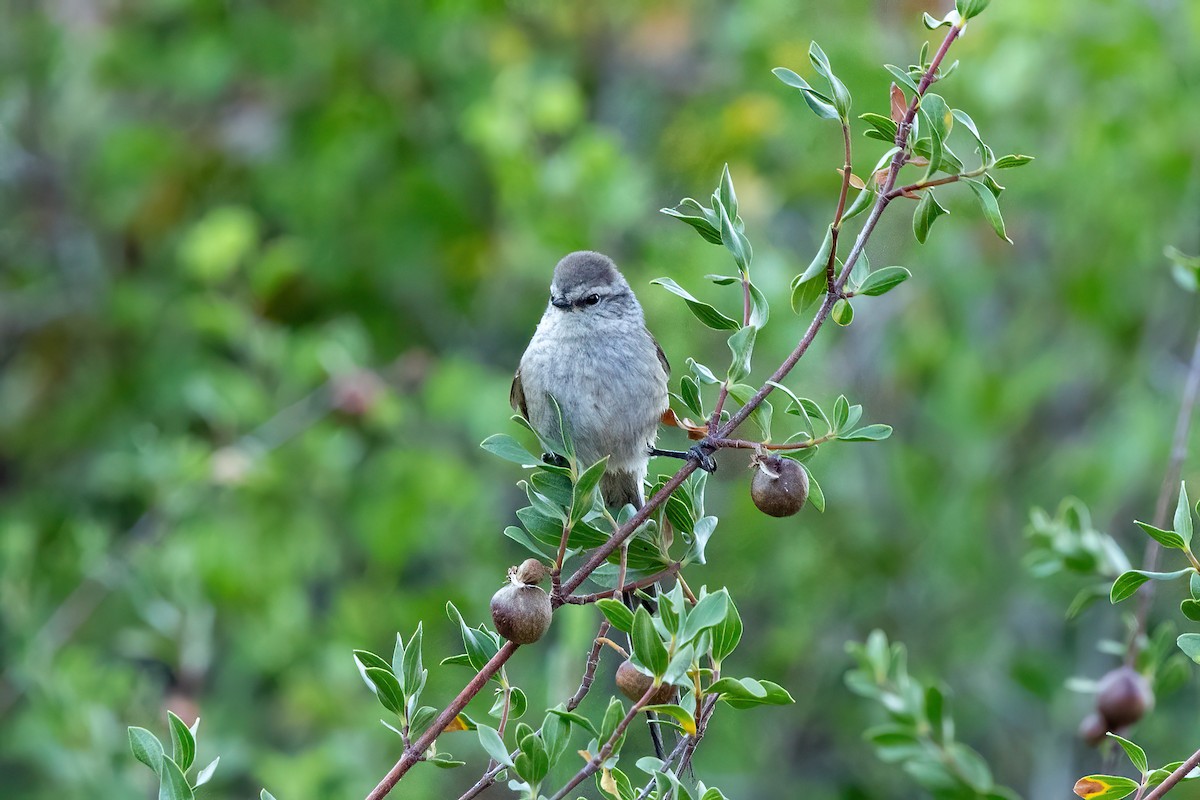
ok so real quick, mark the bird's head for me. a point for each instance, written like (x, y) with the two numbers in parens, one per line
(590, 283)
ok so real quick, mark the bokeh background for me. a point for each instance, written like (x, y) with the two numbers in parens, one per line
(266, 269)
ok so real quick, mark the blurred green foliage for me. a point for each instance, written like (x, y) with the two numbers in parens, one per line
(217, 215)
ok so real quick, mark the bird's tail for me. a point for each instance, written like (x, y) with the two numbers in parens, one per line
(621, 488)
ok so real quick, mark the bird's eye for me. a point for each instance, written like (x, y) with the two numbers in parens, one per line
(591, 299)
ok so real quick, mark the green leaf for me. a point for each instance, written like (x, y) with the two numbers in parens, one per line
(576, 719)
(1011, 161)
(861, 203)
(747, 692)
(413, 673)
(1183, 517)
(1169, 539)
(1190, 609)
(884, 125)
(699, 217)
(821, 260)
(445, 761)
(480, 646)
(726, 634)
(816, 497)
(821, 105)
(927, 211)
(617, 613)
(265, 795)
(760, 417)
(841, 95)
(205, 775)
(423, 717)
(146, 748)
(882, 281)
(741, 344)
(990, 207)
(648, 647)
(1129, 582)
(183, 744)
(612, 717)
(901, 76)
(702, 311)
(172, 784)
(841, 412)
(735, 241)
(1104, 787)
(933, 23)
(387, 689)
(760, 309)
(585, 489)
(1189, 643)
(868, 433)
(686, 720)
(842, 312)
(805, 293)
(493, 745)
(726, 193)
(1136, 754)
(968, 9)
(509, 449)
(710, 610)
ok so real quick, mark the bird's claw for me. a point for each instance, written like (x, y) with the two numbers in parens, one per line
(703, 458)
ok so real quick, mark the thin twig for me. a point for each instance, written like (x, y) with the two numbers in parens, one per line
(1170, 484)
(1175, 777)
(606, 749)
(632, 586)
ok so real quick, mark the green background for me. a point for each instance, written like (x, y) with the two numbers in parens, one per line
(210, 210)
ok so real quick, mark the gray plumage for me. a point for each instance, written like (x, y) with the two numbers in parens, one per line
(593, 354)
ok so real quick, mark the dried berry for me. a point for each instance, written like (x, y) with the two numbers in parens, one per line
(1123, 697)
(634, 684)
(521, 610)
(779, 486)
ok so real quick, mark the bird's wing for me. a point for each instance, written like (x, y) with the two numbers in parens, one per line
(516, 396)
(662, 357)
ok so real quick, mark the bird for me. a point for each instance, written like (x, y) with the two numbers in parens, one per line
(593, 354)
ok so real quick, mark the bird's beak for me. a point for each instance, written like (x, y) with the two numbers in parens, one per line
(560, 302)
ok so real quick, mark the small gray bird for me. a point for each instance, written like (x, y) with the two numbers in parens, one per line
(593, 354)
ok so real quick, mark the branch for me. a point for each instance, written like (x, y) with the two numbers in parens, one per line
(606, 749)
(1175, 777)
(632, 586)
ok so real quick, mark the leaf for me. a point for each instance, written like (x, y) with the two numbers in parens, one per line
(1189, 643)
(1136, 754)
(760, 417)
(205, 775)
(902, 76)
(821, 105)
(493, 745)
(480, 646)
(445, 761)
(820, 261)
(841, 95)
(842, 312)
(933, 23)
(1011, 161)
(882, 281)
(1169, 539)
(413, 673)
(1183, 516)
(928, 210)
(805, 293)
(1105, 787)
(868, 433)
(968, 9)
(1190, 609)
(183, 744)
(265, 795)
(699, 217)
(576, 719)
(509, 449)
(709, 611)
(388, 689)
(861, 203)
(815, 496)
(726, 634)
(617, 613)
(172, 784)
(585, 488)
(146, 748)
(1129, 582)
(991, 208)
(648, 647)
(760, 309)
(747, 692)
(707, 314)
(734, 240)
(726, 193)
(686, 720)
(741, 344)
(885, 126)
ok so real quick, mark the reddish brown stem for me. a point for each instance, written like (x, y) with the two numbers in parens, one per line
(747, 444)
(632, 586)
(1175, 777)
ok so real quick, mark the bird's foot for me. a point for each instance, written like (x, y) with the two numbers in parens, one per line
(701, 453)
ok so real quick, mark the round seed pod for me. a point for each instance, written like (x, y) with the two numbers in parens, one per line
(634, 684)
(1123, 697)
(521, 612)
(779, 486)
(531, 571)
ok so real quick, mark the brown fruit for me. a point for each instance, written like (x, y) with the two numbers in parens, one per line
(521, 612)
(634, 684)
(1123, 697)
(779, 486)
(1093, 729)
